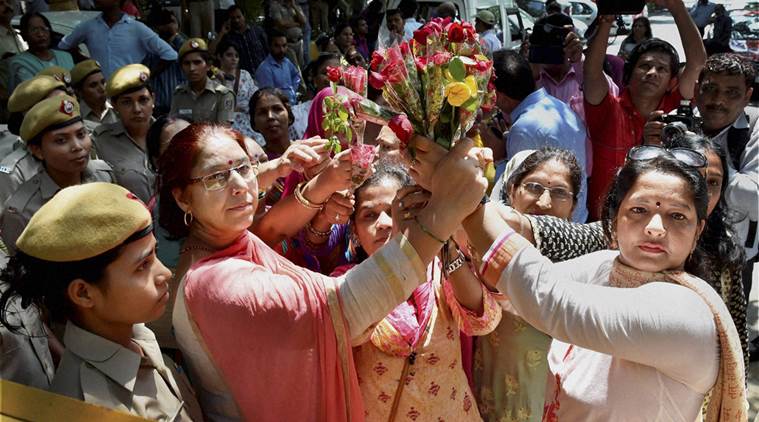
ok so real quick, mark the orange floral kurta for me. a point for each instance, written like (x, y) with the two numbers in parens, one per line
(436, 386)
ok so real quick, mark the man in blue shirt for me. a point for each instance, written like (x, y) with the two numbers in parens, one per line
(277, 70)
(115, 40)
(537, 119)
(701, 13)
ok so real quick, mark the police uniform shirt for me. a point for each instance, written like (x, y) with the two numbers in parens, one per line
(32, 194)
(89, 116)
(25, 354)
(215, 104)
(15, 169)
(128, 160)
(101, 372)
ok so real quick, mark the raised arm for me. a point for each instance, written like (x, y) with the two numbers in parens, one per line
(595, 86)
(695, 54)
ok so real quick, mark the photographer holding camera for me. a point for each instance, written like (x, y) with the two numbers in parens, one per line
(615, 123)
(723, 93)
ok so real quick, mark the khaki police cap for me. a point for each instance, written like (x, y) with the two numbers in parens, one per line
(192, 45)
(32, 91)
(82, 70)
(486, 16)
(56, 111)
(84, 221)
(57, 72)
(126, 78)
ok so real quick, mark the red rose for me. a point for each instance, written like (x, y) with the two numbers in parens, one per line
(401, 126)
(376, 80)
(404, 48)
(377, 60)
(421, 63)
(394, 72)
(456, 32)
(469, 32)
(334, 73)
(421, 34)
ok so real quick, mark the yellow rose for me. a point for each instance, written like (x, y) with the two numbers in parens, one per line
(458, 93)
(471, 83)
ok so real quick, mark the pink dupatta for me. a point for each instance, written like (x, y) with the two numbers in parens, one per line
(267, 327)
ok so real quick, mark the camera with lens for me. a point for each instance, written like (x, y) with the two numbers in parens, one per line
(620, 7)
(680, 122)
(547, 39)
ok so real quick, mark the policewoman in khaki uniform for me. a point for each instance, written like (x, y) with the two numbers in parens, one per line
(55, 135)
(17, 165)
(201, 99)
(89, 85)
(87, 258)
(123, 145)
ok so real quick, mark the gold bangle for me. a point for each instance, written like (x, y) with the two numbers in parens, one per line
(302, 199)
(427, 232)
(318, 233)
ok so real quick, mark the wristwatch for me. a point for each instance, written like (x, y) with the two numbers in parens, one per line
(456, 263)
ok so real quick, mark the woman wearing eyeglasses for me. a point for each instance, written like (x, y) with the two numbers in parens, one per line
(35, 29)
(510, 366)
(560, 240)
(264, 339)
(624, 319)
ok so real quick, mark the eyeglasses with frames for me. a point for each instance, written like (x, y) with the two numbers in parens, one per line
(558, 193)
(686, 156)
(220, 180)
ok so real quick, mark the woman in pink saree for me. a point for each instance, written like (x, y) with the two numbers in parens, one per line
(264, 339)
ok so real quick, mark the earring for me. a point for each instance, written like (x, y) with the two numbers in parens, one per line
(188, 218)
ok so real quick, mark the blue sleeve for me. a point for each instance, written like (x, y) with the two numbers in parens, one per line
(520, 138)
(295, 76)
(153, 44)
(264, 77)
(76, 37)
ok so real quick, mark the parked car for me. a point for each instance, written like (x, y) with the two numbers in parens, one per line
(63, 23)
(586, 9)
(745, 42)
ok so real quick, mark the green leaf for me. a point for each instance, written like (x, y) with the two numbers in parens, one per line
(342, 113)
(445, 118)
(457, 69)
(470, 105)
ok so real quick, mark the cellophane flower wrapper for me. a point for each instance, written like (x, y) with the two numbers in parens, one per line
(362, 157)
(439, 79)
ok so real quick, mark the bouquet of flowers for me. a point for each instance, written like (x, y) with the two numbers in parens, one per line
(340, 124)
(436, 82)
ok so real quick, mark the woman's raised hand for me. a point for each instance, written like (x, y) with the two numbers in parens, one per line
(408, 203)
(301, 155)
(458, 183)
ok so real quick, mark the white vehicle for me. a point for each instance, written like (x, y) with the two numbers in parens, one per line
(504, 10)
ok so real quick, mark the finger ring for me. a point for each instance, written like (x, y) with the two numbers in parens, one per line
(407, 215)
(400, 203)
(414, 161)
(337, 217)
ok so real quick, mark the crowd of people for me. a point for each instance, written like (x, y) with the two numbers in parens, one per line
(180, 241)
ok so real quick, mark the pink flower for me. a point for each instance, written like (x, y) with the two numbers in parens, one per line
(421, 63)
(483, 65)
(394, 72)
(401, 126)
(404, 47)
(376, 80)
(441, 58)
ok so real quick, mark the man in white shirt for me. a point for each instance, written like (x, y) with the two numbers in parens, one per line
(408, 13)
(484, 23)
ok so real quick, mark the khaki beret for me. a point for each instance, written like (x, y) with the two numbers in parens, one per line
(192, 45)
(84, 221)
(57, 72)
(126, 78)
(56, 111)
(32, 91)
(82, 70)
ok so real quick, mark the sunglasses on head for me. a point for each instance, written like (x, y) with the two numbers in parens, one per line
(686, 156)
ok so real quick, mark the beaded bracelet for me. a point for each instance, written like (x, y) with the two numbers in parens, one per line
(311, 229)
(302, 199)
(427, 231)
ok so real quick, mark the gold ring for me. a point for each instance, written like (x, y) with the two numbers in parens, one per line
(407, 215)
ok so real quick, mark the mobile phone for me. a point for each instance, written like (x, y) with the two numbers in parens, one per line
(620, 7)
